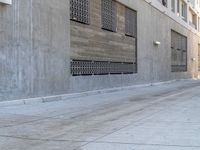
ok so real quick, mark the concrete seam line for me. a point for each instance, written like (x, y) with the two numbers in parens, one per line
(152, 144)
(151, 104)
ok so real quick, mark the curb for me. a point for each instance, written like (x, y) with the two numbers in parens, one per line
(78, 95)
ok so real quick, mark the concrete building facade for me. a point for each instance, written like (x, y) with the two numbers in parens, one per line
(46, 50)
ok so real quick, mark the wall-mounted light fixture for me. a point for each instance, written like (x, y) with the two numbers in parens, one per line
(193, 59)
(157, 43)
(6, 2)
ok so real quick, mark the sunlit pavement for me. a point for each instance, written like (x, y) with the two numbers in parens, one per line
(162, 117)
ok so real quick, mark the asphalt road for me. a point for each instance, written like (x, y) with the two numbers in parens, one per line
(162, 117)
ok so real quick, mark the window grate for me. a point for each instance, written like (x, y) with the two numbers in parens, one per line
(87, 67)
(79, 11)
(179, 68)
(131, 22)
(108, 10)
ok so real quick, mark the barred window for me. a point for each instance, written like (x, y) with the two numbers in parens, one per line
(108, 10)
(178, 52)
(79, 11)
(131, 23)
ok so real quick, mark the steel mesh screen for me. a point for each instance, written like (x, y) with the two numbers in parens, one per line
(108, 15)
(79, 11)
(85, 67)
(131, 22)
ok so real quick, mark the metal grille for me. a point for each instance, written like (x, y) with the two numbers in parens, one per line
(108, 10)
(86, 67)
(178, 52)
(179, 68)
(131, 22)
(79, 11)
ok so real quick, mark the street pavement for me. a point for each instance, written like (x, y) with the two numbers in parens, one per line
(160, 117)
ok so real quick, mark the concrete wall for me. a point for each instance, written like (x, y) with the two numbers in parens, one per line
(34, 48)
(154, 63)
(35, 52)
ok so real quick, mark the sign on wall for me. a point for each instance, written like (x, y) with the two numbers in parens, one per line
(6, 1)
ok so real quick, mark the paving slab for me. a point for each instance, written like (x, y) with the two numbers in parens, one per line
(118, 146)
(10, 143)
(161, 117)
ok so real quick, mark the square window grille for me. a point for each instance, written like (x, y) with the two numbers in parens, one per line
(131, 22)
(108, 10)
(79, 11)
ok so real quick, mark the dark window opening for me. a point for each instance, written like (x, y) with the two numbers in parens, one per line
(164, 2)
(178, 52)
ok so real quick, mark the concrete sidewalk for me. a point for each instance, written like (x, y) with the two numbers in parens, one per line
(162, 117)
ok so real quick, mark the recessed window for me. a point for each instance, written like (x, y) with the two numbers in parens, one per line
(192, 19)
(199, 57)
(108, 10)
(79, 11)
(184, 10)
(131, 23)
(178, 52)
(178, 7)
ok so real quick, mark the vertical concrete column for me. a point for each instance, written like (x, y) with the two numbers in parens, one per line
(196, 21)
(188, 11)
(169, 6)
(176, 4)
(51, 40)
